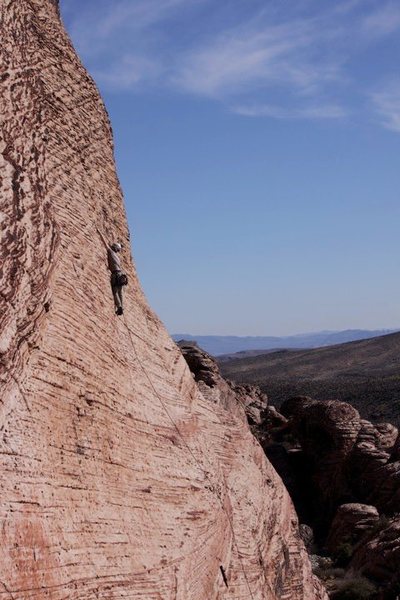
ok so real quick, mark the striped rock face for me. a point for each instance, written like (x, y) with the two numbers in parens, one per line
(118, 478)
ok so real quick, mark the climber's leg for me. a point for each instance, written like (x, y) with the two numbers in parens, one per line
(118, 300)
(117, 294)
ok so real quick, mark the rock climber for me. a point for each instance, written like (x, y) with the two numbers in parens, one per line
(118, 277)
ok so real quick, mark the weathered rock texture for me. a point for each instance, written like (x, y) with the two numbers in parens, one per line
(352, 469)
(350, 460)
(351, 523)
(378, 557)
(246, 401)
(119, 479)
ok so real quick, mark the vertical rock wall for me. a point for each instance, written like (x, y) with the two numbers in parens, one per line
(117, 478)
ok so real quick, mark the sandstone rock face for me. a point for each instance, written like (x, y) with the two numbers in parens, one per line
(386, 435)
(327, 432)
(307, 535)
(381, 435)
(350, 524)
(349, 458)
(351, 471)
(379, 558)
(396, 449)
(273, 420)
(375, 477)
(243, 400)
(119, 479)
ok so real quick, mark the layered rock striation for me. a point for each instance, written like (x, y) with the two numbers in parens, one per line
(119, 478)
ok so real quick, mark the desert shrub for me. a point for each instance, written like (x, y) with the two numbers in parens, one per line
(353, 588)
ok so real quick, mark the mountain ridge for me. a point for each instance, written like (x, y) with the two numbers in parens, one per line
(218, 345)
(364, 373)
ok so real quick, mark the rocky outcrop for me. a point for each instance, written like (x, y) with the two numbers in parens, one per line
(386, 435)
(374, 474)
(352, 470)
(382, 435)
(350, 459)
(395, 454)
(333, 462)
(327, 432)
(351, 523)
(243, 400)
(378, 557)
(119, 478)
(307, 535)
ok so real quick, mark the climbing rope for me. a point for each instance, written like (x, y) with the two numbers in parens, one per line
(206, 476)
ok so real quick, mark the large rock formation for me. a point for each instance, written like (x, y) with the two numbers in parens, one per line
(352, 469)
(350, 524)
(246, 401)
(326, 453)
(118, 477)
(378, 557)
(350, 459)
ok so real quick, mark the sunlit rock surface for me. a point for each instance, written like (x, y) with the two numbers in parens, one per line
(118, 478)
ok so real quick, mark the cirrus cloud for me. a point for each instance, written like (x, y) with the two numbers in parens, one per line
(265, 59)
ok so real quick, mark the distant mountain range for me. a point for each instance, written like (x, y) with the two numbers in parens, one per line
(218, 344)
(365, 373)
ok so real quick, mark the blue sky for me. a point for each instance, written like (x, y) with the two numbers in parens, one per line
(258, 146)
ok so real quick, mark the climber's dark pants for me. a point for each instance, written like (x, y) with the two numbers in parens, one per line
(116, 289)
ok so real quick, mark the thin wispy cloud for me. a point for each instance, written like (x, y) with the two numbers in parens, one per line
(277, 112)
(250, 57)
(122, 24)
(383, 21)
(387, 105)
(258, 58)
(138, 15)
(129, 72)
